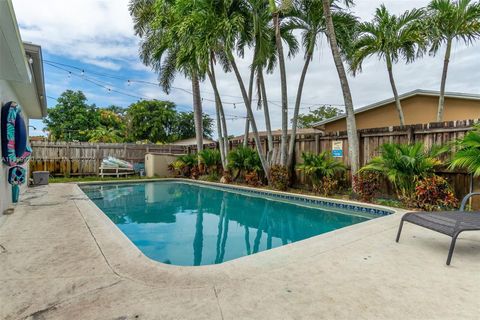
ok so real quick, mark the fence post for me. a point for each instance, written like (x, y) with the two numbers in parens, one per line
(410, 135)
(97, 160)
(317, 143)
(68, 160)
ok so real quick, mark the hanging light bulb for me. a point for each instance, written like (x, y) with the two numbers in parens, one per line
(128, 82)
(69, 74)
(82, 73)
(234, 106)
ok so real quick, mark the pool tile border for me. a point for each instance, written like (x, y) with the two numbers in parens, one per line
(346, 205)
(305, 199)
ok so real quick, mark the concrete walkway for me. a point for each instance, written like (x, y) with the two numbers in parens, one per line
(61, 258)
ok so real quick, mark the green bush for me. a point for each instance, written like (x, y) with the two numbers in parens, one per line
(242, 160)
(321, 169)
(404, 164)
(468, 154)
(184, 165)
(211, 159)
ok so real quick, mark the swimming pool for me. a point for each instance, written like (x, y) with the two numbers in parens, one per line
(191, 224)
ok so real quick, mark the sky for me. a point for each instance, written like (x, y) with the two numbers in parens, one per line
(96, 37)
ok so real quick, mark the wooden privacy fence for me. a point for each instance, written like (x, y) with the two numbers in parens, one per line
(83, 158)
(370, 141)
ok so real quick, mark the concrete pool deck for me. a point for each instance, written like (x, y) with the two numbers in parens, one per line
(62, 258)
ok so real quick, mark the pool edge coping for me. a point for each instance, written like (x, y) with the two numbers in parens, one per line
(127, 260)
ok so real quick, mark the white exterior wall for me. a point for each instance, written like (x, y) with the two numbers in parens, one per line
(7, 94)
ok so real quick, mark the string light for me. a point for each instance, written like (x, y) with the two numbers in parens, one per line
(130, 81)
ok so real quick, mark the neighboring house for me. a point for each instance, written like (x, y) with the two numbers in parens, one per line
(419, 106)
(21, 80)
(192, 141)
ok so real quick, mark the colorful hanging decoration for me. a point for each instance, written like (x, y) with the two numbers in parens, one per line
(15, 149)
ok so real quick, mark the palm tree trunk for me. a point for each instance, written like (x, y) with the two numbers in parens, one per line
(250, 94)
(266, 111)
(245, 133)
(218, 106)
(398, 105)
(197, 111)
(293, 135)
(222, 114)
(441, 100)
(283, 86)
(256, 137)
(347, 96)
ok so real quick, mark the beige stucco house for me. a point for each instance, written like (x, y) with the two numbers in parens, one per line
(419, 106)
(21, 80)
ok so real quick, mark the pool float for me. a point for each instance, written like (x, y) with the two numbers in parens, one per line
(15, 150)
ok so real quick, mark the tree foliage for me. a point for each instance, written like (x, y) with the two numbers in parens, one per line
(73, 119)
(319, 114)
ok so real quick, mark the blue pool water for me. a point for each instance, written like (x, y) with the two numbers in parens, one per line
(192, 224)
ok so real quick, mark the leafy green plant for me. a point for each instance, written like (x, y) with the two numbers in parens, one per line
(243, 160)
(211, 159)
(279, 177)
(434, 193)
(404, 164)
(184, 164)
(366, 184)
(468, 154)
(317, 167)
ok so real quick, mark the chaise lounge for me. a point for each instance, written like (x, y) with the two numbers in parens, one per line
(450, 223)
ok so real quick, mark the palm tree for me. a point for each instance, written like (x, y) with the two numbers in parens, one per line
(276, 11)
(104, 134)
(308, 17)
(347, 96)
(390, 38)
(451, 20)
(156, 23)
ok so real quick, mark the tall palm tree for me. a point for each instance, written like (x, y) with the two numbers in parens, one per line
(156, 23)
(276, 11)
(451, 20)
(308, 17)
(390, 38)
(347, 95)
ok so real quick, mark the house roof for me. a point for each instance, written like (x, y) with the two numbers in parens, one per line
(278, 132)
(192, 141)
(418, 92)
(22, 64)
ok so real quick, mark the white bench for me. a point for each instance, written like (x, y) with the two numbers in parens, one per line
(114, 171)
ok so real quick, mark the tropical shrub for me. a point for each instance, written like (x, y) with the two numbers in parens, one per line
(253, 179)
(321, 169)
(211, 159)
(366, 184)
(434, 193)
(327, 186)
(279, 177)
(243, 160)
(184, 165)
(468, 154)
(404, 164)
